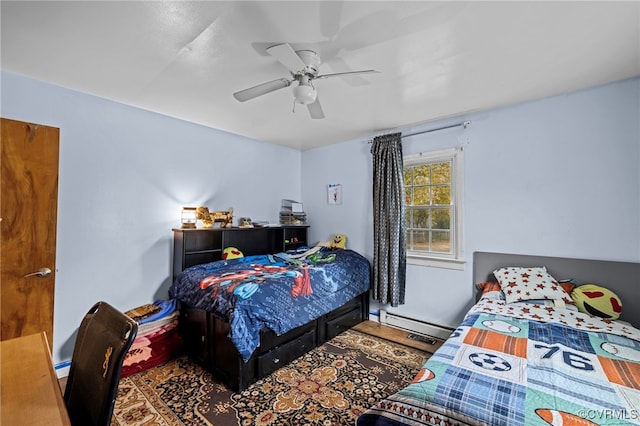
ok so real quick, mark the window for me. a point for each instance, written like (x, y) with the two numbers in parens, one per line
(433, 189)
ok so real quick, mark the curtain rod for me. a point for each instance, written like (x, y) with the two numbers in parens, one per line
(463, 124)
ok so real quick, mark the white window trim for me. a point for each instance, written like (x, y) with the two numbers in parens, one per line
(456, 259)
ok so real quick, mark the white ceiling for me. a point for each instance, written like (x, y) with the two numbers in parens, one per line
(436, 59)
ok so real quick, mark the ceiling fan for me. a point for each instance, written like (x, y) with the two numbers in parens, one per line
(303, 66)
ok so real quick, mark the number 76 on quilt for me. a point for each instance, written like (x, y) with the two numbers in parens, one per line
(572, 359)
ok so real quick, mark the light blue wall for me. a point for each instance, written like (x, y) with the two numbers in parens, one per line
(559, 176)
(124, 175)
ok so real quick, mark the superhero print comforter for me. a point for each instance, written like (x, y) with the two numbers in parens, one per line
(523, 364)
(276, 291)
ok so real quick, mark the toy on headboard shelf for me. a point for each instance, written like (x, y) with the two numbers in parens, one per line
(222, 219)
(202, 214)
(245, 222)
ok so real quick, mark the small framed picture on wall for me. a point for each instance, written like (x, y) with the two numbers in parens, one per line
(334, 193)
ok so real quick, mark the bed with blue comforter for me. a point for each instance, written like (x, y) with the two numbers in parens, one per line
(529, 362)
(277, 292)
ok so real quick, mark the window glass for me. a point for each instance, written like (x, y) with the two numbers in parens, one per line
(430, 201)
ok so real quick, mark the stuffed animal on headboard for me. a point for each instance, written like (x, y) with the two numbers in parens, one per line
(339, 241)
(202, 213)
(224, 218)
(210, 219)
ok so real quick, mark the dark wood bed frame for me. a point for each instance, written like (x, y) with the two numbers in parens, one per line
(205, 335)
(623, 278)
(206, 341)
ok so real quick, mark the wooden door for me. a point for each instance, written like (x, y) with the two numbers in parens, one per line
(28, 212)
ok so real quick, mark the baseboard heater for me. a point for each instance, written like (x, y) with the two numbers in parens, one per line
(415, 326)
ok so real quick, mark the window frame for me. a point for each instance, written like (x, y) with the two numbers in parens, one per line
(455, 259)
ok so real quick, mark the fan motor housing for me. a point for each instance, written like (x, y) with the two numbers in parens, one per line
(311, 59)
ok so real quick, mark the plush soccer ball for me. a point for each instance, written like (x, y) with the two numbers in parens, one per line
(599, 301)
(231, 253)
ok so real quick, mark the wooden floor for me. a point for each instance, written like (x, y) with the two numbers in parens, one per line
(397, 335)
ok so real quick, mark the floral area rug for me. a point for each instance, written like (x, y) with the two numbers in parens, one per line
(331, 385)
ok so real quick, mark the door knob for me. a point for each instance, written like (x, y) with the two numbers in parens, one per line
(42, 272)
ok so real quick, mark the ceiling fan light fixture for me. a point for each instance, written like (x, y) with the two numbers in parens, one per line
(303, 67)
(305, 94)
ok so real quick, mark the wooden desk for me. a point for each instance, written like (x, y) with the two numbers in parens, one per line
(29, 390)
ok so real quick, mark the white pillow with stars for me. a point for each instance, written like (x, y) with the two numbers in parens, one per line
(521, 283)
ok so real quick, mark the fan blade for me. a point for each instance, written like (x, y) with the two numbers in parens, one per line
(315, 109)
(287, 57)
(330, 14)
(347, 73)
(262, 89)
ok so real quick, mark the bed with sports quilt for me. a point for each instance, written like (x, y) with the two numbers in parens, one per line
(244, 318)
(532, 351)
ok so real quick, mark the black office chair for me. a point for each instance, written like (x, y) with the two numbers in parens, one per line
(104, 338)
